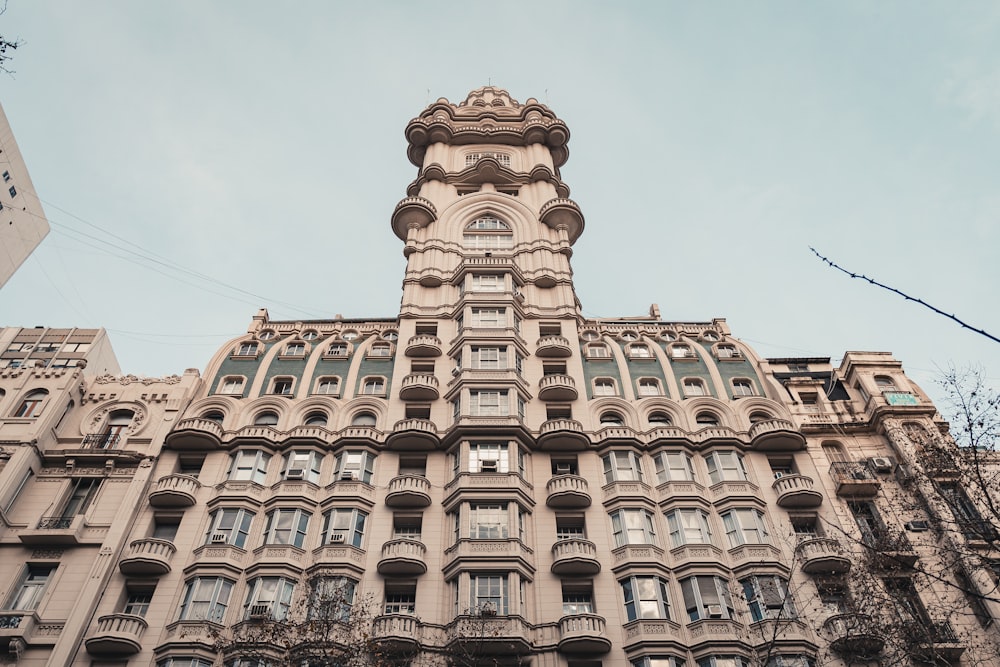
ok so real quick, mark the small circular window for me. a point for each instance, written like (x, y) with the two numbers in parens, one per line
(710, 335)
(629, 336)
(349, 335)
(311, 334)
(589, 336)
(668, 336)
(390, 336)
(267, 334)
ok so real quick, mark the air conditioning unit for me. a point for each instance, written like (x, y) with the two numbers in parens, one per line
(456, 371)
(903, 474)
(259, 611)
(881, 464)
(488, 466)
(564, 468)
(714, 610)
(295, 473)
(220, 538)
(337, 538)
(348, 475)
(918, 526)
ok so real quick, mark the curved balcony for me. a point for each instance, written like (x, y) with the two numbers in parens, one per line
(557, 388)
(776, 435)
(624, 435)
(419, 387)
(567, 492)
(575, 558)
(195, 433)
(583, 633)
(118, 635)
(423, 345)
(174, 491)
(562, 435)
(397, 633)
(412, 212)
(471, 551)
(823, 556)
(796, 492)
(408, 491)
(403, 557)
(852, 636)
(562, 213)
(480, 485)
(553, 347)
(147, 557)
(854, 480)
(413, 435)
(490, 636)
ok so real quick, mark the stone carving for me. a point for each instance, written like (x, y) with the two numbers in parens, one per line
(129, 379)
(42, 554)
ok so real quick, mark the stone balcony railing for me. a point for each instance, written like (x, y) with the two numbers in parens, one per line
(408, 491)
(583, 633)
(822, 555)
(147, 557)
(117, 634)
(553, 347)
(797, 492)
(403, 557)
(575, 557)
(567, 491)
(174, 491)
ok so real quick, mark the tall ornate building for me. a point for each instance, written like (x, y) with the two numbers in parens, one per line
(489, 478)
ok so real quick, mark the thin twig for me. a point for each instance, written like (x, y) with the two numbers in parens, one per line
(907, 297)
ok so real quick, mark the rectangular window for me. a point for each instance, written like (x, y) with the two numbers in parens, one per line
(487, 283)
(489, 358)
(80, 497)
(400, 603)
(632, 527)
(302, 465)
(488, 521)
(745, 526)
(356, 466)
(645, 597)
(489, 318)
(206, 599)
(707, 597)
(768, 597)
(490, 594)
(137, 604)
(331, 599)
(673, 467)
(483, 403)
(598, 352)
(229, 525)
(27, 594)
(725, 466)
(622, 467)
(17, 492)
(344, 526)
(577, 603)
(689, 526)
(286, 526)
(269, 597)
(489, 457)
(249, 465)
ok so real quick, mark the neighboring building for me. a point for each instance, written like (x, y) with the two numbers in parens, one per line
(43, 347)
(491, 478)
(22, 221)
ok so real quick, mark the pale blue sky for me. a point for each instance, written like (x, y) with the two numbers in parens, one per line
(262, 144)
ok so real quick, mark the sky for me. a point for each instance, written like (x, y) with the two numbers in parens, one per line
(200, 160)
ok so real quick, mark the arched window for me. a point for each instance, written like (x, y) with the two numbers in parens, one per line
(364, 419)
(759, 416)
(266, 418)
(214, 416)
(118, 422)
(328, 385)
(611, 419)
(488, 233)
(316, 418)
(660, 419)
(834, 452)
(32, 404)
(727, 352)
(639, 351)
(694, 387)
(604, 387)
(885, 383)
(681, 352)
(373, 386)
(742, 387)
(707, 419)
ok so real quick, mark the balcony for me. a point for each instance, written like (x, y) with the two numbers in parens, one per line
(853, 637)
(18, 628)
(397, 633)
(890, 550)
(627, 490)
(498, 484)
(402, 557)
(102, 441)
(637, 554)
(469, 550)
(562, 213)
(933, 643)
(575, 558)
(567, 492)
(195, 433)
(54, 531)
(423, 346)
(652, 632)
(583, 633)
(490, 636)
(287, 555)
(776, 435)
(413, 435)
(412, 212)
(557, 388)
(687, 554)
(854, 480)
(147, 557)
(624, 435)
(715, 630)
(822, 555)
(419, 387)
(117, 635)
(796, 492)
(562, 435)
(174, 492)
(553, 347)
(408, 491)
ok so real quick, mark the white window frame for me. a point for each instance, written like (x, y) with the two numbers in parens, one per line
(287, 525)
(480, 452)
(605, 387)
(273, 592)
(701, 593)
(489, 521)
(248, 465)
(622, 466)
(234, 523)
(646, 597)
(689, 525)
(28, 593)
(347, 521)
(232, 385)
(743, 387)
(206, 599)
(694, 387)
(726, 466)
(358, 464)
(745, 525)
(632, 526)
(308, 461)
(489, 592)
(373, 385)
(489, 318)
(328, 385)
(673, 467)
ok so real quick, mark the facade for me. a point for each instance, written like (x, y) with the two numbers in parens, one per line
(22, 221)
(490, 478)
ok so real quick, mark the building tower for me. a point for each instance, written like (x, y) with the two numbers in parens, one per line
(490, 479)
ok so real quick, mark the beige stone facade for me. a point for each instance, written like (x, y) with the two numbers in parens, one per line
(22, 221)
(489, 477)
